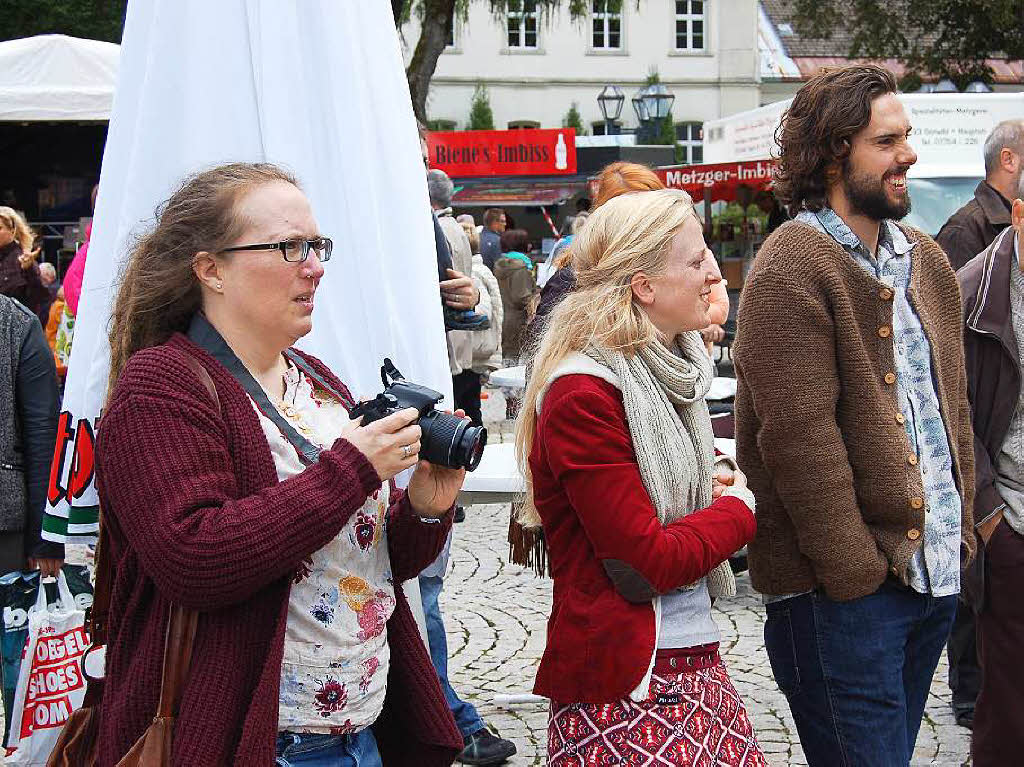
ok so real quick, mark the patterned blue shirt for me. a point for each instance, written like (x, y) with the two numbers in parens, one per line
(935, 567)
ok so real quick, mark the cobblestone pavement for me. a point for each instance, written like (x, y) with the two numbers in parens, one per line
(496, 613)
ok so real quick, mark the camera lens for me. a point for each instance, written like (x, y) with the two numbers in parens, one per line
(450, 441)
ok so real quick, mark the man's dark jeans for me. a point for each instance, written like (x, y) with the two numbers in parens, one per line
(857, 673)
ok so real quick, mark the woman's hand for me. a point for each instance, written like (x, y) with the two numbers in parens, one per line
(713, 334)
(391, 444)
(27, 260)
(459, 292)
(433, 489)
(724, 478)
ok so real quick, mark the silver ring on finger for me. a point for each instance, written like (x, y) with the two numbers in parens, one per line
(405, 451)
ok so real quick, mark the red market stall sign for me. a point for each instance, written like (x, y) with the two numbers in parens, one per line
(721, 178)
(537, 152)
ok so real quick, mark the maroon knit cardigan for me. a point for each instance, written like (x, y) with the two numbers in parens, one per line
(197, 516)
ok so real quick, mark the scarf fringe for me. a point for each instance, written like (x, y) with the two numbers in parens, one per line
(527, 547)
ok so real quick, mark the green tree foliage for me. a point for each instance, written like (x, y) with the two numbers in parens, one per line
(949, 38)
(91, 19)
(480, 115)
(572, 119)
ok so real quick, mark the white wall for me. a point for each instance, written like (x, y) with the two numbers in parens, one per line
(541, 85)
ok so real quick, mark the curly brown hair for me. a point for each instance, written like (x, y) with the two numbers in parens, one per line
(816, 130)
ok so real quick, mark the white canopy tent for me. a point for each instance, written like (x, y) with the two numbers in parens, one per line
(56, 77)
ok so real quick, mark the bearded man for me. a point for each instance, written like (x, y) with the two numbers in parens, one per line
(853, 426)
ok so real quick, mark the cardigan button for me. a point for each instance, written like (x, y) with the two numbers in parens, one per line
(890, 378)
(913, 533)
(884, 331)
(900, 418)
(912, 460)
(916, 503)
(885, 294)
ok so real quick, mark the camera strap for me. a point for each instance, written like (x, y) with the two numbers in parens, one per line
(205, 335)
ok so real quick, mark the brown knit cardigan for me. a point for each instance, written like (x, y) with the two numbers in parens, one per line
(840, 499)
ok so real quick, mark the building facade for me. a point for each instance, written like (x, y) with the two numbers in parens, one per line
(537, 65)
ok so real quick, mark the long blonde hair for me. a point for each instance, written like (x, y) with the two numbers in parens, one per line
(14, 221)
(627, 235)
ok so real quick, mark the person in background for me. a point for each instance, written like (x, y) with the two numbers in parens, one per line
(769, 207)
(480, 744)
(640, 518)
(557, 258)
(490, 236)
(973, 228)
(514, 272)
(992, 287)
(28, 423)
(60, 347)
(472, 232)
(260, 504)
(853, 426)
(19, 270)
(967, 233)
(48, 279)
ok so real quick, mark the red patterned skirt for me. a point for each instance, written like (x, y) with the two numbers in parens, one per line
(692, 716)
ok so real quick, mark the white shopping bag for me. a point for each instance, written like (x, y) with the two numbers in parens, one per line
(50, 685)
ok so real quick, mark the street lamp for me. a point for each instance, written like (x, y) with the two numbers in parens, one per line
(610, 100)
(640, 106)
(658, 101)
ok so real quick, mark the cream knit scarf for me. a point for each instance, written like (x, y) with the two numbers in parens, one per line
(663, 392)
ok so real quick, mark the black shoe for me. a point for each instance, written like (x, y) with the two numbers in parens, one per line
(965, 718)
(461, 320)
(460, 514)
(484, 747)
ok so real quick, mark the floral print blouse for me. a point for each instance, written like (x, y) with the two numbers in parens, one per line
(335, 667)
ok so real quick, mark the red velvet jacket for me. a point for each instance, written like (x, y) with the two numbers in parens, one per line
(594, 506)
(197, 516)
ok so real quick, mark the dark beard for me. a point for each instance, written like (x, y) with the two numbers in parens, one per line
(866, 196)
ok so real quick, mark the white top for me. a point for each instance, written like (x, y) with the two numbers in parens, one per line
(336, 655)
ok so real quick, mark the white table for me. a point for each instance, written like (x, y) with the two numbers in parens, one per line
(509, 378)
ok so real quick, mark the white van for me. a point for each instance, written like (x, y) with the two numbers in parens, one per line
(949, 131)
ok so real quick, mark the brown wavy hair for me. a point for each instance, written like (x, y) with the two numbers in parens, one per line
(159, 292)
(816, 131)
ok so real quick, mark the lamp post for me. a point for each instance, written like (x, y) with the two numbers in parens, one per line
(610, 100)
(642, 115)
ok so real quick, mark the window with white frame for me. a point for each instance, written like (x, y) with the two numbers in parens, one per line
(689, 136)
(607, 25)
(604, 129)
(691, 26)
(522, 23)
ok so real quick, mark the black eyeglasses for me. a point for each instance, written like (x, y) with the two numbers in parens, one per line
(294, 251)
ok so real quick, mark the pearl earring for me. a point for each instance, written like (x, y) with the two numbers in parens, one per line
(220, 286)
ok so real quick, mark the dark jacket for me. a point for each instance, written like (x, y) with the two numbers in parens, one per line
(490, 247)
(23, 285)
(993, 364)
(198, 517)
(818, 422)
(28, 412)
(555, 289)
(972, 228)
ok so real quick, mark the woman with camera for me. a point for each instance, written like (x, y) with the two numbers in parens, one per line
(233, 483)
(638, 513)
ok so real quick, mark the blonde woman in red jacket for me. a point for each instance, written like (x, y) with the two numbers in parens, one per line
(639, 513)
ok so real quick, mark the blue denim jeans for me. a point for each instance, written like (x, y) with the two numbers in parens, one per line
(856, 674)
(466, 717)
(312, 750)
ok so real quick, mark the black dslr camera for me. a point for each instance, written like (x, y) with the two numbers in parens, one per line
(446, 440)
